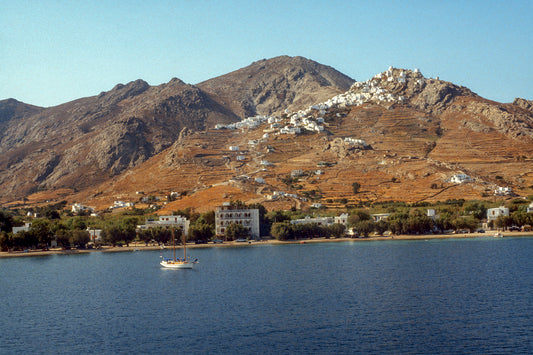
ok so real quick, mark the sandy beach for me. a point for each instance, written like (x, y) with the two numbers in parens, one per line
(140, 246)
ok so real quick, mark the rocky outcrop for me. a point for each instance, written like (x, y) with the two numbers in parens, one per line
(523, 103)
(13, 109)
(437, 95)
(121, 92)
(513, 124)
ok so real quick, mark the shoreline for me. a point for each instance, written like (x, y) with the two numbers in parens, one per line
(134, 247)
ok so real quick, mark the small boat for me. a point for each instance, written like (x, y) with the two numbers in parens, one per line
(177, 263)
(498, 235)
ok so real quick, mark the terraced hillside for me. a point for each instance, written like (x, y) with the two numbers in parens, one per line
(398, 135)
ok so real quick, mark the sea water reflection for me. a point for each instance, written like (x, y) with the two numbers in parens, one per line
(439, 296)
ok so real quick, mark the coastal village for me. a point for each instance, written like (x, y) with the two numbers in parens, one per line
(250, 163)
(245, 225)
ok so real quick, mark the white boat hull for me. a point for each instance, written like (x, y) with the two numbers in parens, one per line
(177, 264)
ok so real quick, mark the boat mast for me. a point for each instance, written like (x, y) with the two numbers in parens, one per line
(174, 244)
(184, 247)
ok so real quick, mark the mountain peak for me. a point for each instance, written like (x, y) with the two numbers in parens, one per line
(121, 92)
(269, 86)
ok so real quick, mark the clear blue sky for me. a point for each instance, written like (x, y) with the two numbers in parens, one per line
(52, 51)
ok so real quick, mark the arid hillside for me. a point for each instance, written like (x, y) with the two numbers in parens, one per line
(399, 142)
(399, 136)
(79, 144)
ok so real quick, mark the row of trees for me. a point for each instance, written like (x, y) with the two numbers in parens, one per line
(67, 233)
(287, 231)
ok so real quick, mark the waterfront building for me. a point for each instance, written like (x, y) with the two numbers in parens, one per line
(168, 221)
(228, 214)
(322, 221)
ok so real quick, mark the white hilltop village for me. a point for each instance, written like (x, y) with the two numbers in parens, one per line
(312, 118)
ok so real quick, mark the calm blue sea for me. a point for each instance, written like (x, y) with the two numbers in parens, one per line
(466, 296)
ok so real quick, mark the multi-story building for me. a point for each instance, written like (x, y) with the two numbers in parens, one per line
(167, 221)
(228, 214)
(322, 221)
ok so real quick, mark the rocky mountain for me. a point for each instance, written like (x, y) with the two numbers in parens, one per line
(304, 134)
(400, 135)
(81, 143)
(271, 86)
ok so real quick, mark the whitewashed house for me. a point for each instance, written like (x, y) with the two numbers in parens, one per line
(460, 179)
(503, 191)
(494, 213)
(342, 219)
(78, 207)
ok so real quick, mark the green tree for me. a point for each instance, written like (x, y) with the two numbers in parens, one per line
(6, 241)
(145, 235)
(201, 232)
(365, 227)
(521, 218)
(206, 218)
(23, 240)
(63, 238)
(77, 222)
(381, 226)
(281, 231)
(356, 187)
(162, 235)
(504, 221)
(6, 221)
(278, 216)
(128, 234)
(41, 229)
(337, 230)
(79, 238)
(128, 223)
(357, 216)
(111, 234)
(51, 213)
(306, 231)
(235, 231)
(475, 209)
